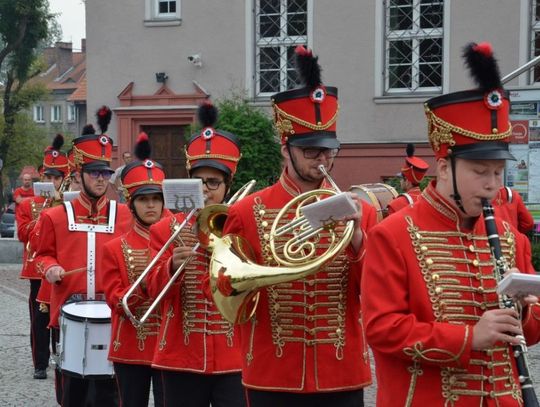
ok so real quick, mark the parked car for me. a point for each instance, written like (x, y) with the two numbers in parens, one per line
(7, 222)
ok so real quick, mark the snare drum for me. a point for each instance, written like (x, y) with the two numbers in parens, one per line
(85, 335)
(379, 195)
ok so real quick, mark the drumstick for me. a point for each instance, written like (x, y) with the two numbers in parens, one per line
(67, 273)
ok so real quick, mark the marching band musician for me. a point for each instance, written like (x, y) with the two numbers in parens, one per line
(197, 350)
(70, 255)
(411, 175)
(124, 258)
(509, 206)
(55, 168)
(438, 333)
(304, 345)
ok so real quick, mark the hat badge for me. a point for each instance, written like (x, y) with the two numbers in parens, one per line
(318, 94)
(104, 140)
(208, 133)
(55, 153)
(494, 100)
(148, 163)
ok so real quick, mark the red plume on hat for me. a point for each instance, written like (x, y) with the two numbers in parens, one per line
(104, 115)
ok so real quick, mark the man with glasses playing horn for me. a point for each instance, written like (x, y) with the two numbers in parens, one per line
(132, 347)
(437, 327)
(197, 350)
(70, 252)
(304, 344)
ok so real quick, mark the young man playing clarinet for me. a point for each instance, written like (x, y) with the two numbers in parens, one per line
(439, 334)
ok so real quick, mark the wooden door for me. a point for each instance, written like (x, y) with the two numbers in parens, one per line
(167, 144)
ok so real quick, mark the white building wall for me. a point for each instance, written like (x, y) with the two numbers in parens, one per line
(121, 49)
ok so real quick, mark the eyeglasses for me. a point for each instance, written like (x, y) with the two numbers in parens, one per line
(95, 174)
(313, 153)
(211, 183)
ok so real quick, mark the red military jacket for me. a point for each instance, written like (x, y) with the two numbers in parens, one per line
(27, 215)
(59, 246)
(306, 335)
(426, 283)
(404, 200)
(509, 205)
(193, 335)
(124, 259)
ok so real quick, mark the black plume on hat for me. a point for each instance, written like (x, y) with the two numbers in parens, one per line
(410, 150)
(482, 65)
(207, 114)
(142, 147)
(308, 67)
(88, 129)
(104, 116)
(58, 142)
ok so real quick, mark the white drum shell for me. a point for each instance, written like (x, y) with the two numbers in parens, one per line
(85, 335)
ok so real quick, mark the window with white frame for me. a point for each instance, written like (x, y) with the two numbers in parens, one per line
(413, 46)
(535, 36)
(280, 26)
(39, 116)
(56, 113)
(166, 8)
(71, 113)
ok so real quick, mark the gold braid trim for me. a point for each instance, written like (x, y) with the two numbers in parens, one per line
(213, 156)
(417, 352)
(440, 132)
(284, 119)
(139, 183)
(78, 156)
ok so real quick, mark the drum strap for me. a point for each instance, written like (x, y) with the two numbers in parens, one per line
(407, 197)
(91, 231)
(509, 194)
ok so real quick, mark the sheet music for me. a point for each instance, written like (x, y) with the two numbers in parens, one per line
(183, 194)
(70, 195)
(329, 210)
(44, 189)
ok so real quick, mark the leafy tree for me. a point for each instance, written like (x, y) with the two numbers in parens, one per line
(25, 26)
(261, 157)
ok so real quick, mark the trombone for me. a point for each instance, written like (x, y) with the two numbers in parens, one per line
(241, 193)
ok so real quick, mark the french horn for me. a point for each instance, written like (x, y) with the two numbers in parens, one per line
(235, 278)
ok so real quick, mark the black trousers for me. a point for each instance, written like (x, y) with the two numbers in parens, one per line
(183, 389)
(134, 385)
(257, 398)
(77, 392)
(39, 333)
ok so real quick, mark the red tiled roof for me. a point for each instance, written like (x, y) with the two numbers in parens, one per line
(79, 95)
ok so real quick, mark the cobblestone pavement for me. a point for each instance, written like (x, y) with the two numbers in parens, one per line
(18, 388)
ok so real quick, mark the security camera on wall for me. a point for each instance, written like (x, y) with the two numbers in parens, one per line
(195, 59)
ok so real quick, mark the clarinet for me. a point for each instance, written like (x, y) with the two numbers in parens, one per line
(520, 351)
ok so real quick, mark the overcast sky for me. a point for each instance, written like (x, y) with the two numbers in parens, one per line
(71, 19)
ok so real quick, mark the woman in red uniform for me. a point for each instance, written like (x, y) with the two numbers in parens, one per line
(197, 350)
(125, 258)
